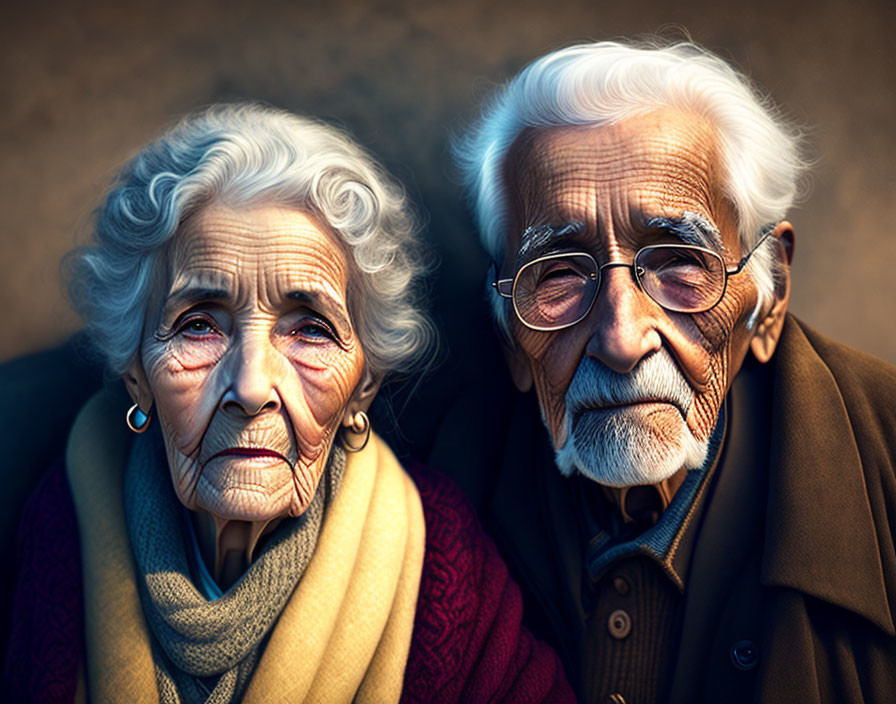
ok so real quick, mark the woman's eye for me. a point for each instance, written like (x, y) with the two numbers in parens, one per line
(312, 330)
(198, 327)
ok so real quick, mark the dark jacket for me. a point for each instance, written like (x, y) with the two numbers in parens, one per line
(791, 580)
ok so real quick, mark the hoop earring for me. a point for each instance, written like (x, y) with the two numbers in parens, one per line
(137, 420)
(360, 426)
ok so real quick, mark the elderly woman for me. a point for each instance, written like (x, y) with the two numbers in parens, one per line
(249, 538)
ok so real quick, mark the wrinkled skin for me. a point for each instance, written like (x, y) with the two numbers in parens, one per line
(614, 179)
(251, 368)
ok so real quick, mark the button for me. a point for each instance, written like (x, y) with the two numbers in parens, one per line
(620, 624)
(744, 655)
(621, 585)
(615, 698)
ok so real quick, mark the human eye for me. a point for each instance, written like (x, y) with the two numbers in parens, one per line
(197, 326)
(560, 270)
(680, 262)
(312, 329)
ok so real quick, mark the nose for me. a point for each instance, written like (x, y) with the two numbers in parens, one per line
(623, 322)
(253, 372)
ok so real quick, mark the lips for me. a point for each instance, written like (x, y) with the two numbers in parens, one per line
(618, 405)
(258, 452)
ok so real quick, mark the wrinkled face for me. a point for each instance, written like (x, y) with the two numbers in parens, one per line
(253, 362)
(648, 383)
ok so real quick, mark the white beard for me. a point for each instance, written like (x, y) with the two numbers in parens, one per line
(629, 445)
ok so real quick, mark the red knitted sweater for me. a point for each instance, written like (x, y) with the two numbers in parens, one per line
(468, 644)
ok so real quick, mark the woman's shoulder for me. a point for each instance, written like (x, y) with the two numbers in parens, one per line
(468, 643)
(45, 635)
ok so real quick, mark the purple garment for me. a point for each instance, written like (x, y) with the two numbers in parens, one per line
(467, 646)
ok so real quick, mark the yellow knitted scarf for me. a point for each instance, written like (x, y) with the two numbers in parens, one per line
(343, 636)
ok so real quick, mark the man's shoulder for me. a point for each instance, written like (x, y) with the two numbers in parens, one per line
(866, 384)
(846, 362)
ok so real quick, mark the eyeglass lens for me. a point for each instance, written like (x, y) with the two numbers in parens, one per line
(557, 291)
(682, 279)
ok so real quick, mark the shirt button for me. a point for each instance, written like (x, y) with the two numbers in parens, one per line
(620, 585)
(620, 624)
(615, 698)
(744, 655)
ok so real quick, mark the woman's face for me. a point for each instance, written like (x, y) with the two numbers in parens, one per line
(254, 361)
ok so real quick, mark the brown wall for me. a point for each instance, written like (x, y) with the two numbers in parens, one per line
(84, 85)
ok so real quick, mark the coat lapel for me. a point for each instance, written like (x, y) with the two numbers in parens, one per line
(821, 537)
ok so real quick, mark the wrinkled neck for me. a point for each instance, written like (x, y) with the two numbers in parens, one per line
(228, 547)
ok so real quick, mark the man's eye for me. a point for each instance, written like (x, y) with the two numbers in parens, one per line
(560, 272)
(682, 260)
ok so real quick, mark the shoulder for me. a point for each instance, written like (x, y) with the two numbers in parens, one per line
(856, 373)
(448, 513)
(864, 384)
(45, 637)
(468, 642)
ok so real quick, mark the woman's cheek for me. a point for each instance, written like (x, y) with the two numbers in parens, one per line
(185, 399)
(191, 354)
(325, 392)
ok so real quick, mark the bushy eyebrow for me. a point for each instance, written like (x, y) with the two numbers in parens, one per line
(540, 239)
(691, 228)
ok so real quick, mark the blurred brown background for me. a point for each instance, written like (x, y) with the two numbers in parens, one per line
(85, 84)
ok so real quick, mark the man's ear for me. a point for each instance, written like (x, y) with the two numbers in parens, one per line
(768, 332)
(363, 395)
(518, 364)
(137, 384)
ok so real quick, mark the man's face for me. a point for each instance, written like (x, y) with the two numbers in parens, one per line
(648, 382)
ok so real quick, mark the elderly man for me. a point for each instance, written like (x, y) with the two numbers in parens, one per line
(709, 516)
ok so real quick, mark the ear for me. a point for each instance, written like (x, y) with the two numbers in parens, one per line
(137, 384)
(518, 364)
(768, 332)
(363, 395)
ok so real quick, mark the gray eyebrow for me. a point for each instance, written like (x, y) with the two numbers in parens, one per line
(538, 238)
(691, 228)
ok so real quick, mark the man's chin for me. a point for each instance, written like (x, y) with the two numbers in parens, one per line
(628, 446)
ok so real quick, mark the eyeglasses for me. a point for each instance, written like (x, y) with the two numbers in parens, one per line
(557, 290)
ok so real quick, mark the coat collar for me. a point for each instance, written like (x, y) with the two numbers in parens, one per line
(821, 535)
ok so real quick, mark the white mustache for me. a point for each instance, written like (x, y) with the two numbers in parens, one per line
(656, 378)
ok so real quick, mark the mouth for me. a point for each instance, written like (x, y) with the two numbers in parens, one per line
(612, 406)
(259, 453)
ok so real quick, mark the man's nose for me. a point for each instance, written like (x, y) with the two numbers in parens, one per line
(253, 372)
(623, 322)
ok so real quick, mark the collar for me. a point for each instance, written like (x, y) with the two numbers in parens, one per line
(644, 505)
(831, 459)
(663, 541)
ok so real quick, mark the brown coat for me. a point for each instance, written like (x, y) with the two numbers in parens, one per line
(817, 595)
(792, 580)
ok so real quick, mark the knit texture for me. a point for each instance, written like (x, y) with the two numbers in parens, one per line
(195, 638)
(467, 644)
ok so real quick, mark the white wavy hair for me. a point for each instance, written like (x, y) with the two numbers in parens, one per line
(243, 155)
(606, 82)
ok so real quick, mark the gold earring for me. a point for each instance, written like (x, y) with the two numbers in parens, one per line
(360, 426)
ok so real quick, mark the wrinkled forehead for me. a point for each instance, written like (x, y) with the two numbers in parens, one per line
(270, 254)
(274, 238)
(661, 163)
